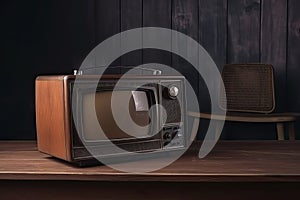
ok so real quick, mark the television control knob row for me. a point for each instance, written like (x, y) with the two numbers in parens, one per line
(173, 91)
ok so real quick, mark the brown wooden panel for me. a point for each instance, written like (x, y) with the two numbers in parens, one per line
(50, 117)
(266, 161)
(157, 13)
(19, 145)
(273, 44)
(243, 31)
(131, 17)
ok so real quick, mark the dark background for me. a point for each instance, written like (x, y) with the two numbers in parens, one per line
(53, 37)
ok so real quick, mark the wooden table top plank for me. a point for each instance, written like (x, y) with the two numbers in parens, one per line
(24, 145)
(229, 161)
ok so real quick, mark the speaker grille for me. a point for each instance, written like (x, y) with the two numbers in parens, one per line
(172, 106)
(249, 87)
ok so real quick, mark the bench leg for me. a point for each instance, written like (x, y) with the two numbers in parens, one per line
(280, 131)
(292, 131)
(194, 128)
(218, 130)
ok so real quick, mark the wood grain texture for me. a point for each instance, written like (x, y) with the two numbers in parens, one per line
(213, 37)
(131, 17)
(213, 29)
(185, 20)
(50, 117)
(293, 59)
(107, 25)
(68, 36)
(273, 44)
(293, 67)
(157, 13)
(38, 37)
(53, 37)
(228, 162)
(243, 31)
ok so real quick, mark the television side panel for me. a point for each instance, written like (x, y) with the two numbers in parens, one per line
(50, 117)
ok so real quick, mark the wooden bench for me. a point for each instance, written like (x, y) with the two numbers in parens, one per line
(250, 98)
(280, 119)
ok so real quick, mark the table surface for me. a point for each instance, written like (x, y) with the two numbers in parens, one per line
(230, 161)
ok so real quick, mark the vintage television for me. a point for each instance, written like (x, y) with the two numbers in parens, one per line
(65, 129)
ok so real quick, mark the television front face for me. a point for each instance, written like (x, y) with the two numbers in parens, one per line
(136, 123)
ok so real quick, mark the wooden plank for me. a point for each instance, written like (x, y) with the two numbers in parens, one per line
(85, 37)
(107, 25)
(293, 69)
(243, 31)
(21, 145)
(131, 17)
(67, 42)
(243, 42)
(157, 13)
(185, 20)
(228, 162)
(293, 59)
(185, 17)
(213, 37)
(213, 29)
(273, 44)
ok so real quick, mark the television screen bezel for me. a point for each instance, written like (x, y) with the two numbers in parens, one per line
(108, 85)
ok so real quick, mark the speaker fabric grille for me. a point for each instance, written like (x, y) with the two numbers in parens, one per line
(249, 87)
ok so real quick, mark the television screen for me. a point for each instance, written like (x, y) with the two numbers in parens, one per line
(138, 109)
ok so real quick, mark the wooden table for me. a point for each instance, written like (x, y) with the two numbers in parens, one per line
(265, 169)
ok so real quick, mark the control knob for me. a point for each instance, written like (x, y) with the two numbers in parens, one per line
(173, 91)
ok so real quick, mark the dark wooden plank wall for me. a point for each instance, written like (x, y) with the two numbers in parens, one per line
(185, 20)
(273, 44)
(213, 37)
(293, 57)
(243, 31)
(213, 29)
(131, 17)
(157, 13)
(53, 37)
(107, 24)
(38, 37)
